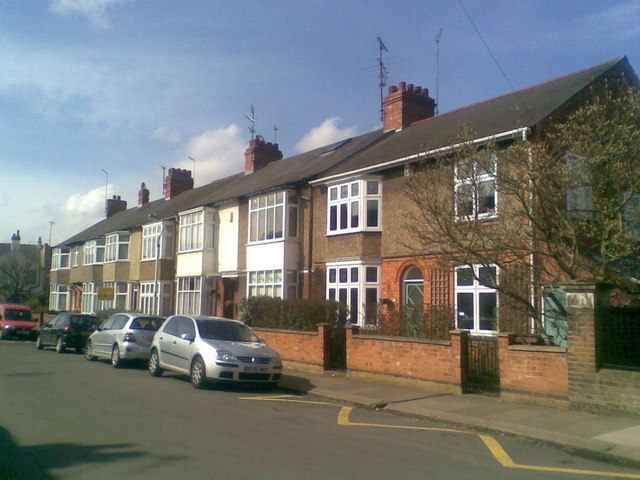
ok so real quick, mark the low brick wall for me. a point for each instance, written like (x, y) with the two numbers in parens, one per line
(299, 349)
(435, 363)
(533, 373)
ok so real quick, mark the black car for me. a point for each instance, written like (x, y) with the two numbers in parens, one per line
(67, 330)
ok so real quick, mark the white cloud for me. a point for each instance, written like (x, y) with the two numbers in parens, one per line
(167, 134)
(218, 153)
(90, 203)
(327, 133)
(94, 10)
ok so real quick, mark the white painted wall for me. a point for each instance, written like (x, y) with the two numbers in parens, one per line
(228, 238)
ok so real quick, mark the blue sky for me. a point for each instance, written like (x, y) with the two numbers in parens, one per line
(128, 86)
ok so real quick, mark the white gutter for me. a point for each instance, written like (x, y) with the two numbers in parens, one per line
(523, 131)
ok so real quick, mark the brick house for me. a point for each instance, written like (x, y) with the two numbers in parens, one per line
(327, 223)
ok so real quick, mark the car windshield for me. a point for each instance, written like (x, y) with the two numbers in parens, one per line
(147, 323)
(15, 314)
(229, 331)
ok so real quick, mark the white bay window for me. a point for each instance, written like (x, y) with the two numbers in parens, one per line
(357, 287)
(354, 206)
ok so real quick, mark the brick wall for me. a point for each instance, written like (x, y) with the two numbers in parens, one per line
(301, 349)
(592, 388)
(533, 373)
(436, 363)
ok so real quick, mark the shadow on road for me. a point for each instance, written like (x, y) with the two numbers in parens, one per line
(34, 462)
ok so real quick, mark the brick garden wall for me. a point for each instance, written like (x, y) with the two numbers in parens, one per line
(435, 363)
(533, 373)
(300, 349)
(590, 387)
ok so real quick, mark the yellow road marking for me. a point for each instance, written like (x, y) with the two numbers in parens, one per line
(491, 443)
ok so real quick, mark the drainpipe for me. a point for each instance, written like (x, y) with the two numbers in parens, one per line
(310, 247)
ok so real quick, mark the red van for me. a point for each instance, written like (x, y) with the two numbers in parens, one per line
(16, 321)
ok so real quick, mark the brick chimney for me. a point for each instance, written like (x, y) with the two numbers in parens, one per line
(115, 205)
(406, 104)
(260, 153)
(143, 195)
(178, 181)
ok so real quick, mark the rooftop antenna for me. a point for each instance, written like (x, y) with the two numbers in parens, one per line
(252, 119)
(164, 180)
(383, 76)
(106, 186)
(438, 70)
(275, 134)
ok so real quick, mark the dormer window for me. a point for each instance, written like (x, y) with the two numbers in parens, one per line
(354, 206)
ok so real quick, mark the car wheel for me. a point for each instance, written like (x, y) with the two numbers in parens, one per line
(116, 361)
(198, 373)
(154, 364)
(88, 352)
(60, 348)
(39, 345)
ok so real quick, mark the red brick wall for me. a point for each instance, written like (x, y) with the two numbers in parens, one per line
(428, 360)
(534, 373)
(301, 347)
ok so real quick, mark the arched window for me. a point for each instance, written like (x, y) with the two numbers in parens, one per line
(412, 289)
(413, 302)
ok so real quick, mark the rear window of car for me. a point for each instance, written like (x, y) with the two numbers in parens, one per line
(146, 323)
(86, 321)
(15, 314)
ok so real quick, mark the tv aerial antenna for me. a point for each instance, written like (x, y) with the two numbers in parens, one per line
(382, 75)
(438, 69)
(252, 119)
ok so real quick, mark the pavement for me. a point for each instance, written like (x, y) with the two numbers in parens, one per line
(615, 438)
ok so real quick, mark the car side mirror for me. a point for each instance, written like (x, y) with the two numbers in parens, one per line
(188, 337)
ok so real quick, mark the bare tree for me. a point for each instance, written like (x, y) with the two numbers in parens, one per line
(17, 279)
(562, 207)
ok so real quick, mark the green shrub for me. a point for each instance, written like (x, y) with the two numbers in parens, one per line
(296, 314)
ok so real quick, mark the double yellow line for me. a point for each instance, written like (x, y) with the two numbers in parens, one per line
(491, 443)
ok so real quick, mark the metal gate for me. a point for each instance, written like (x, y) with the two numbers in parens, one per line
(483, 372)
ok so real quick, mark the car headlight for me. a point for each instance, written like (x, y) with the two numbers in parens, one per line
(226, 356)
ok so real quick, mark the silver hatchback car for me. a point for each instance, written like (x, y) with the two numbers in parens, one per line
(123, 336)
(213, 348)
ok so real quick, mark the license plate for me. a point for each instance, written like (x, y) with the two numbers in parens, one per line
(255, 369)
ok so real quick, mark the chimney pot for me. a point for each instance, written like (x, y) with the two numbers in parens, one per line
(405, 105)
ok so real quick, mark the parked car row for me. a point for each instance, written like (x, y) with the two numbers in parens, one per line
(204, 348)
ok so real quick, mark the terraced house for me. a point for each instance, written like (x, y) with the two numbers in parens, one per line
(329, 223)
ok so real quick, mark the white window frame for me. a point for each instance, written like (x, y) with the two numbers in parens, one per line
(191, 231)
(116, 247)
(75, 256)
(273, 217)
(189, 295)
(58, 295)
(60, 258)
(344, 279)
(89, 297)
(153, 236)
(120, 297)
(476, 290)
(94, 252)
(268, 283)
(348, 206)
(469, 175)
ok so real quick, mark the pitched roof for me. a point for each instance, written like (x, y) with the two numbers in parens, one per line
(523, 108)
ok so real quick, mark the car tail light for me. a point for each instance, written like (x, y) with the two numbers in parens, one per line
(128, 337)
(68, 329)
